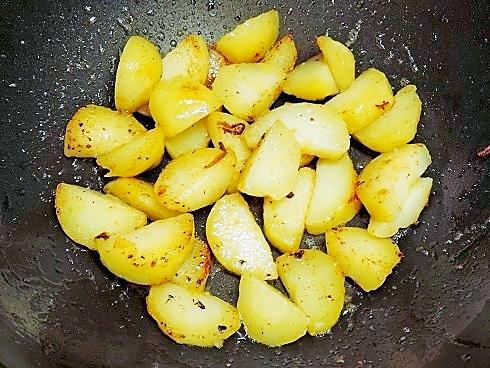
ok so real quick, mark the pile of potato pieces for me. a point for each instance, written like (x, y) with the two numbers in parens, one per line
(258, 152)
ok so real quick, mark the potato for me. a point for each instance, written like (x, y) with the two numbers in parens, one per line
(340, 60)
(364, 258)
(385, 182)
(366, 99)
(412, 206)
(135, 157)
(247, 90)
(196, 179)
(178, 103)
(190, 58)
(318, 130)
(333, 201)
(272, 168)
(314, 283)
(397, 126)
(283, 54)
(194, 272)
(95, 130)
(140, 195)
(311, 80)
(194, 137)
(237, 241)
(150, 254)
(268, 316)
(250, 41)
(284, 219)
(216, 62)
(191, 317)
(305, 160)
(84, 214)
(139, 70)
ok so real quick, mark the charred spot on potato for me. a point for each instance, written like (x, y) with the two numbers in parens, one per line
(382, 105)
(200, 305)
(218, 157)
(222, 328)
(290, 195)
(103, 236)
(299, 254)
(235, 129)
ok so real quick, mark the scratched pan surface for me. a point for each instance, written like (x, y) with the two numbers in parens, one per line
(60, 308)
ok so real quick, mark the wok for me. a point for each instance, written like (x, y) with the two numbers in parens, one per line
(60, 308)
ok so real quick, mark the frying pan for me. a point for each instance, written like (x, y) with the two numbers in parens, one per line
(60, 308)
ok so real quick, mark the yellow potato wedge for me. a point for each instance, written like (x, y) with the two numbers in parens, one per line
(247, 90)
(366, 99)
(385, 182)
(272, 168)
(139, 70)
(364, 258)
(192, 317)
(397, 126)
(150, 254)
(283, 54)
(216, 62)
(305, 159)
(236, 239)
(315, 283)
(194, 272)
(95, 130)
(318, 130)
(194, 137)
(190, 58)
(135, 157)
(84, 214)
(333, 201)
(269, 317)
(412, 206)
(195, 179)
(340, 60)
(250, 41)
(284, 219)
(139, 194)
(178, 103)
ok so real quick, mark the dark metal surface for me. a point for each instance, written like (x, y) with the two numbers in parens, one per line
(60, 308)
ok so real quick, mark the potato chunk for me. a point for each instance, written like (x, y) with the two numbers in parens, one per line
(247, 90)
(318, 130)
(385, 182)
(412, 206)
(237, 241)
(314, 283)
(178, 103)
(190, 58)
(84, 213)
(333, 201)
(150, 254)
(268, 315)
(272, 168)
(283, 54)
(194, 272)
(95, 130)
(191, 317)
(139, 70)
(340, 60)
(250, 41)
(192, 138)
(366, 99)
(397, 126)
(364, 258)
(195, 179)
(284, 219)
(135, 157)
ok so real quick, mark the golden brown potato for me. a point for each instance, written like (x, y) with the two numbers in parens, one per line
(195, 179)
(140, 195)
(340, 60)
(84, 214)
(250, 41)
(216, 62)
(95, 130)
(364, 258)
(237, 241)
(283, 54)
(192, 138)
(135, 157)
(144, 256)
(178, 103)
(139, 70)
(268, 316)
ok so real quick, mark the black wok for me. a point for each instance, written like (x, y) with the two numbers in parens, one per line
(60, 308)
